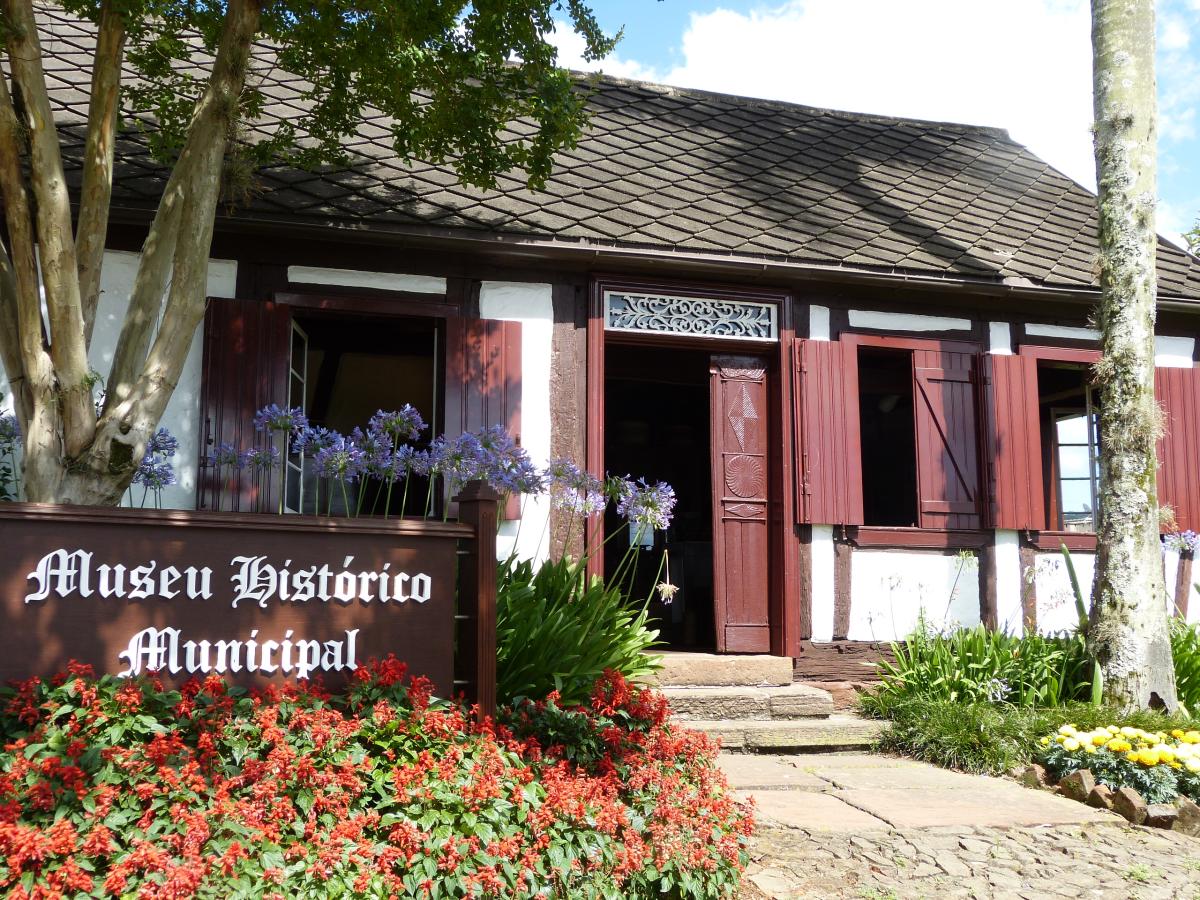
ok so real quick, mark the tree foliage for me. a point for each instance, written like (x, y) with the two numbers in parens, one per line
(474, 86)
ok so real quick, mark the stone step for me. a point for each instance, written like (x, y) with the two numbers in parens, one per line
(681, 669)
(792, 701)
(838, 732)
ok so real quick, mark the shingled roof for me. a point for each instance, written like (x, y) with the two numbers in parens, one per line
(689, 171)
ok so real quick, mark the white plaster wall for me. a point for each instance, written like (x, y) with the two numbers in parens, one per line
(890, 588)
(1055, 599)
(1009, 590)
(384, 281)
(822, 582)
(1000, 338)
(818, 323)
(182, 414)
(1033, 329)
(890, 321)
(531, 305)
(1173, 352)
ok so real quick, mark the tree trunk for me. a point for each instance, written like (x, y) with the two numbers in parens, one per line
(1129, 631)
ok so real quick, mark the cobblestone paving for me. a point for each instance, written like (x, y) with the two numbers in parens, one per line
(1100, 861)
(874, 828)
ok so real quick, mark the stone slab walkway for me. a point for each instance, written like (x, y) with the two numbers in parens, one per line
(853, 825)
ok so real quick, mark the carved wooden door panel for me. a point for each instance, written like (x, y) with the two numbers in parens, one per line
(741, 529)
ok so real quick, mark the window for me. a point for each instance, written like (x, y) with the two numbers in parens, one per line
(342, 370)
(887, 433)
(1068, 410)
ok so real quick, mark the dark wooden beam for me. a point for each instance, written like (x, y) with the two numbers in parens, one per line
(987, 586)
(1029, 588)
(842, 551)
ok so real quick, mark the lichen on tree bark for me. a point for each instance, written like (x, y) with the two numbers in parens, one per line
(1129, 626)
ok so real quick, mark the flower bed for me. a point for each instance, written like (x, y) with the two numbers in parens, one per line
(112, 787)
(1160, 766)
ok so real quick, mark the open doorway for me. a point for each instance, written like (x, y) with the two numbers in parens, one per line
(656, 426)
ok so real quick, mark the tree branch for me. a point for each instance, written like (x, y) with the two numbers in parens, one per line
(24, 306)
(10, 338)
(96, 191)
(191, 198)
(56, 244)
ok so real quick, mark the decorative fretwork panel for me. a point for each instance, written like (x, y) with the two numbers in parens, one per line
(742, 320)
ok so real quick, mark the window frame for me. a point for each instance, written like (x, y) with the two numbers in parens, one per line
(1048, 538)
(923, 535)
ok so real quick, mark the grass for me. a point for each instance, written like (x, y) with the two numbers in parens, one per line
(991, 739)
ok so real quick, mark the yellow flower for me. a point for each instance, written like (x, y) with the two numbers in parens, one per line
(1100, 738)
(1067, 730)
(1148, 758)
(1166, 754)
(1129, 732)
(1089, 748)
(1191, 737)
(1045, 742)
(1113, 729)
(1070, 745)
(1177, 733)
(1192, 765)
(1132, 756)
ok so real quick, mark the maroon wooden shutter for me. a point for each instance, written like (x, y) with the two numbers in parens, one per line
(947, 448)
(1178, 392)
(246, 348)
(1016, 498)
(828, 452)
(483, 380)
(741, 531)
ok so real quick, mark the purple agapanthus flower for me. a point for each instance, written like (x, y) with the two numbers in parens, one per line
(458, 460)
(225, 455)
(342, 460)
(162, 443)
(10, 430)
(403, 424)
(260, 459)
(1183, 542)
(573, 489)
(154, 474)
(646, 505)
(505, 465)
(314, 438)
(279, 418)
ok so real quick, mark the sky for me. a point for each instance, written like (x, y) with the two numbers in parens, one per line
(1022, 65)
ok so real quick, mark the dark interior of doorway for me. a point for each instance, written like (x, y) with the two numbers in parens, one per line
(656, 426)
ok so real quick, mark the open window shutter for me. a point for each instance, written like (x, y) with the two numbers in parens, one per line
(829, 456)
(246, 347)
(947, 449)
(1014, 444)
(1178, 392)
(483, 380)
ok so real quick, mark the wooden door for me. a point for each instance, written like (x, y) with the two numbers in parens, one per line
(741, 529)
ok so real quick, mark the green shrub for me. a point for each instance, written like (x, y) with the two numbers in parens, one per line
(1185, 650)
(974, 665)
(993, 739)
(559, 630)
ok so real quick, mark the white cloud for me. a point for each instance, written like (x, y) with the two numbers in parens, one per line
(1175, 35)
(1024, 65)
(570, 45)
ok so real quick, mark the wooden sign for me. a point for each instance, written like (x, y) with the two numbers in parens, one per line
(254, 598)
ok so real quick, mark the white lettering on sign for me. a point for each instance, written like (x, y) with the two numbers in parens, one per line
(256, 579)
(62, 573)
(164, 650)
